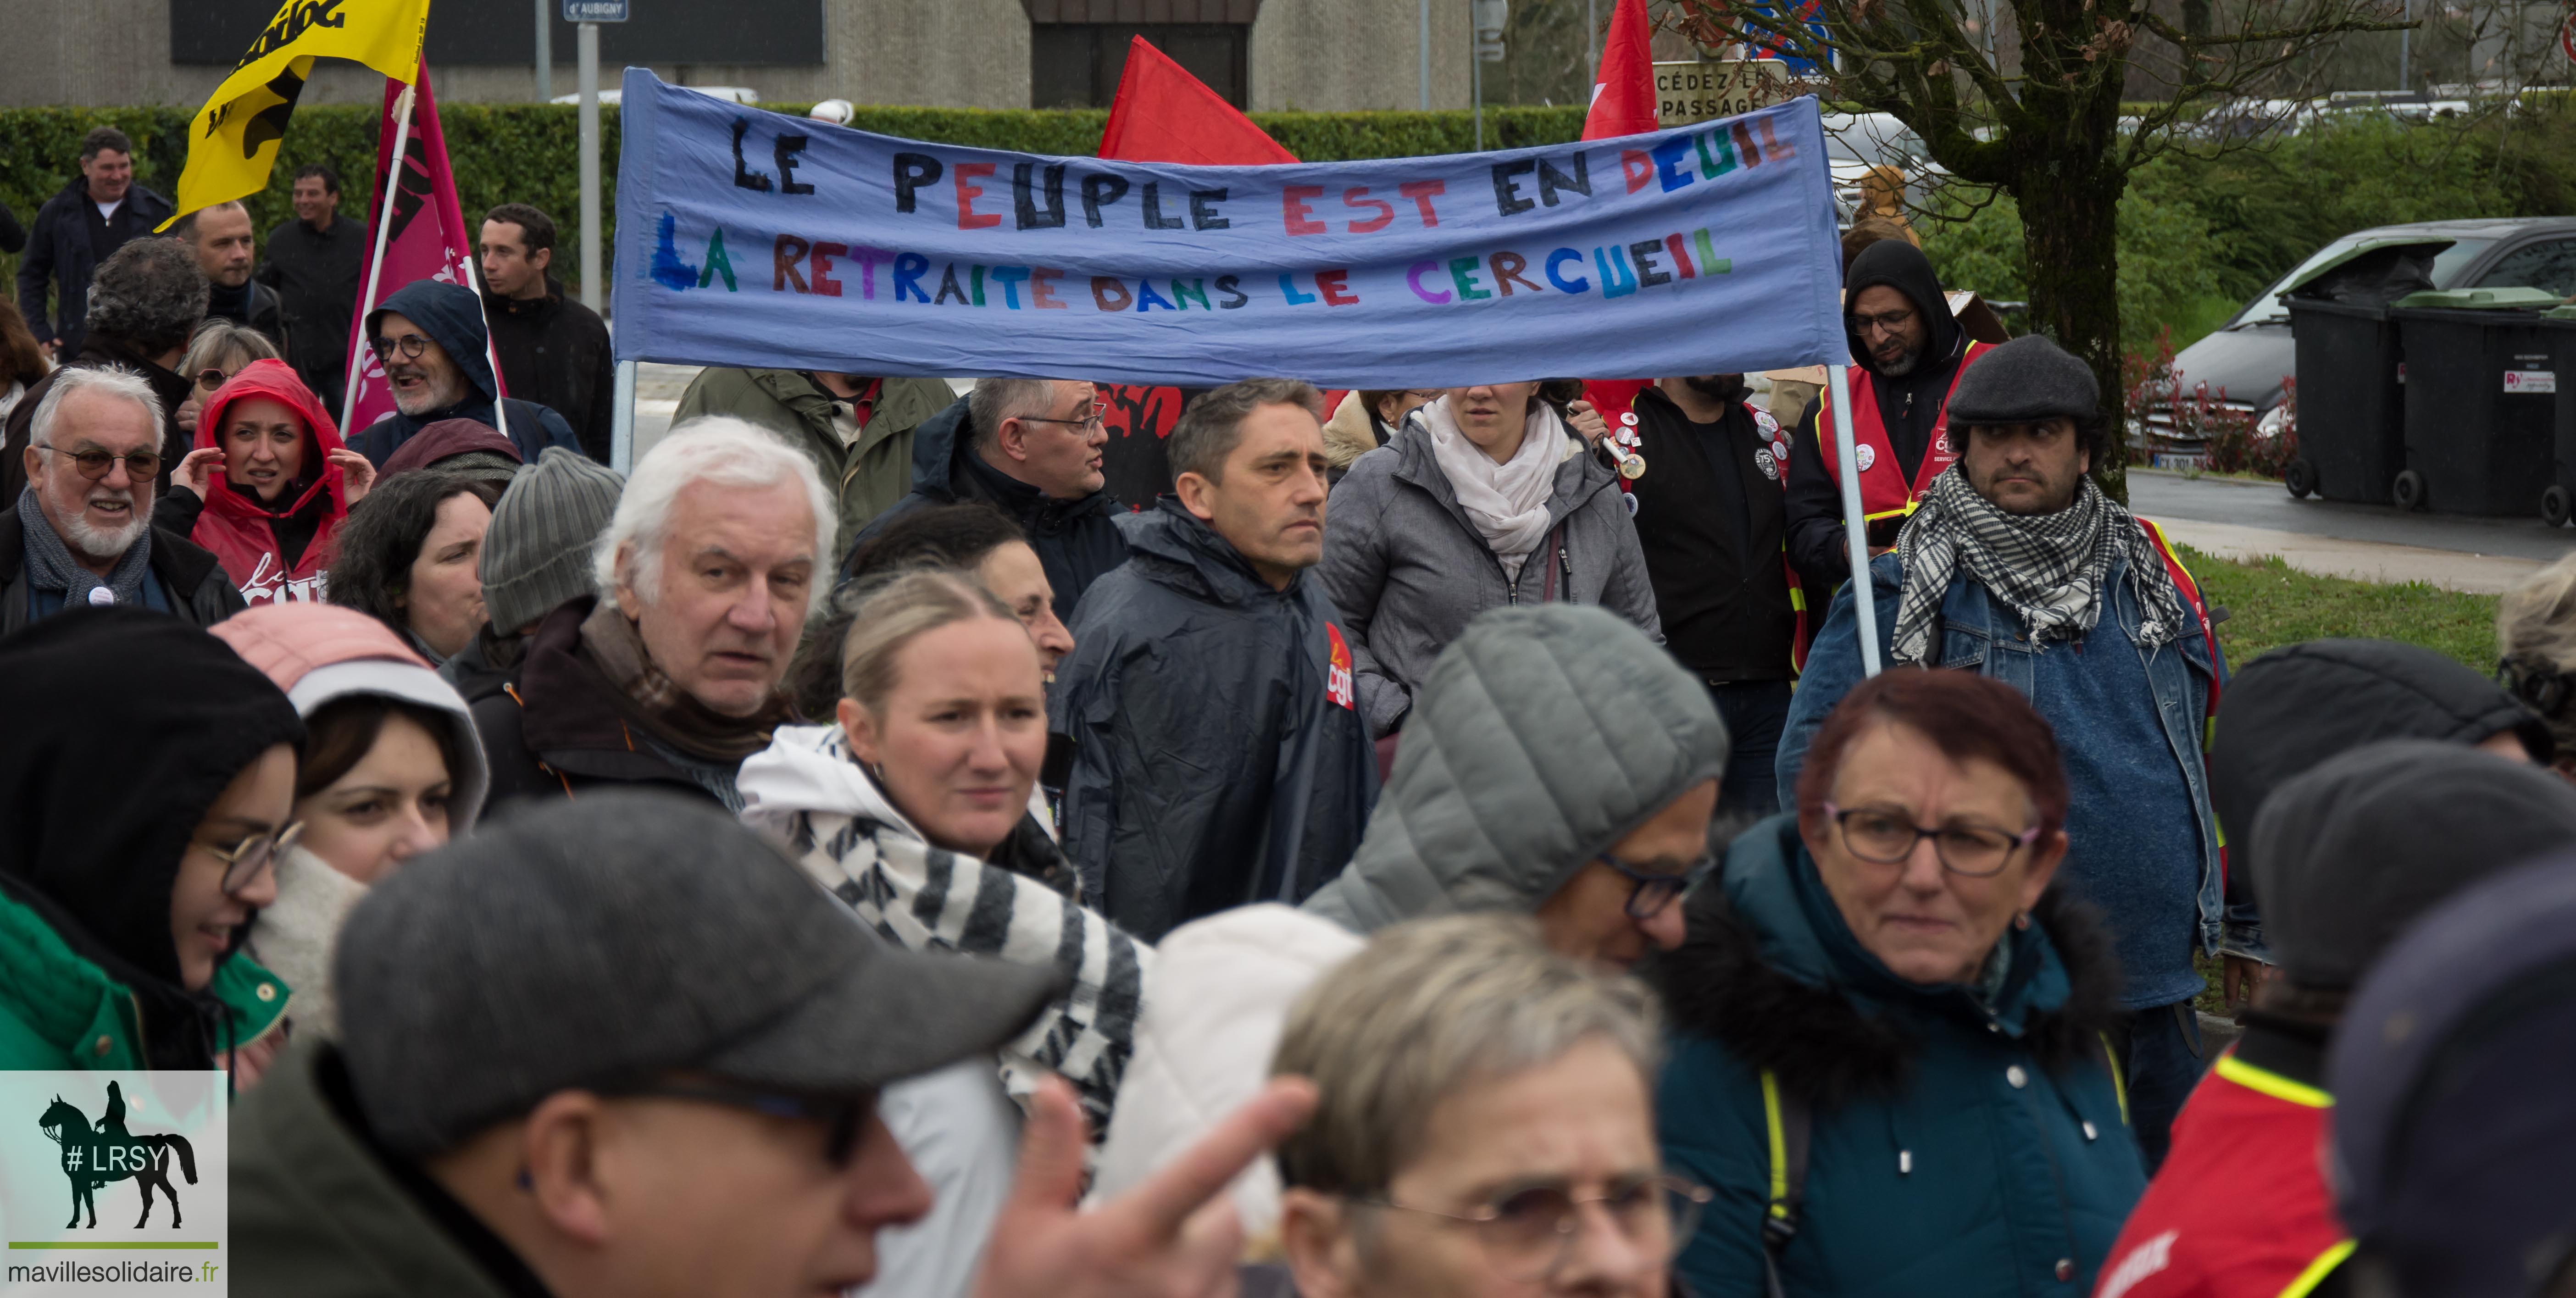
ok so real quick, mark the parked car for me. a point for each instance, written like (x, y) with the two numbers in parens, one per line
(2243, 361)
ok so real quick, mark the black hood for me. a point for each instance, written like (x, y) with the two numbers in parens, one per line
(2296, 707)
(935, 442)
(106, 783)
(1903, 267)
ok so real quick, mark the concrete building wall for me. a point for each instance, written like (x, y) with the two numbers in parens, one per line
(1341, 55)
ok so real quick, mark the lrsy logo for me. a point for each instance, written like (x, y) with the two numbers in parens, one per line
(95, 1156)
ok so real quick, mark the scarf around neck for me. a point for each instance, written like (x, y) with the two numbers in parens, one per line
(1508, 501)
(612, 646)
(51, 565)
(2050, 568)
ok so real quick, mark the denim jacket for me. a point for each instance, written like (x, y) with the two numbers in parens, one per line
(1977, 633)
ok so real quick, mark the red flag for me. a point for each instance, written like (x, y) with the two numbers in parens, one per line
(1623, 95)
(1163, 114)
(1623, 103)
(434, 248)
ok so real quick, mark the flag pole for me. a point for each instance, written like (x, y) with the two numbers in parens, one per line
(384, 230)
(1855, 530)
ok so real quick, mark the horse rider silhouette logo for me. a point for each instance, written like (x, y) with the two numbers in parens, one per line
(92, 1157)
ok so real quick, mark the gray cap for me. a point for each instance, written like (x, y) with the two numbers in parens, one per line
(537, 554)
(625, 936)
(2357, 848)
(2024, 381)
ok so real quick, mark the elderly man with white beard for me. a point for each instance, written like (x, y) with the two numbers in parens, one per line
(81, 531)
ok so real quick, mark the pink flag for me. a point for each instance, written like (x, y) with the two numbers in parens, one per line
(428, 240)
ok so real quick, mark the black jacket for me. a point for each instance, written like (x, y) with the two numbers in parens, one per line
(13, 236)
(1199, 699)
(1910, 407)
(316, 275)
(454, 319)
(96, 352)
(2295, 707)
(1076, 540)
(554, 351)
(1710, 516)
(253, 304)
(60, 255)
(556, 727)
(200, 592)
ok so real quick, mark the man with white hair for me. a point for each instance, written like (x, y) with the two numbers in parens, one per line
(670, 675)
(81, 533)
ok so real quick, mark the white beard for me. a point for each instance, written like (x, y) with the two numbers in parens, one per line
(434, 396)
(107, 543)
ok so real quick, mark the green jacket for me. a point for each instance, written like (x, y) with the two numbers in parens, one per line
(866, 477)
(1959, 1144)
(60, 1010)
(316, 1212)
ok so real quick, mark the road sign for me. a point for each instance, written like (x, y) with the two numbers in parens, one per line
(594, 11)
(1699, 90)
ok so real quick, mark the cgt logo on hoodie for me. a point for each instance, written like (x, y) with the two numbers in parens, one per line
(1338, 683)
(269, 582)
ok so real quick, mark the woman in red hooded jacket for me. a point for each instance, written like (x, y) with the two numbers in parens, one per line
(267, 486)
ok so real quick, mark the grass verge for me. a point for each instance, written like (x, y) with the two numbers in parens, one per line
(2270, 604)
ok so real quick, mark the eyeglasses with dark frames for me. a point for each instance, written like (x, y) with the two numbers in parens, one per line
(1527, 1231)
(842, 1118)
(244, 860)
(410, 345)
(96, 464)
(1883, 836)
(1651, 890)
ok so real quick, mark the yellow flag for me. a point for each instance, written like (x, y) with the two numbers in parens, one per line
(233, 141)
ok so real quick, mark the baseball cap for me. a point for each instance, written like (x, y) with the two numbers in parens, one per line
(623, 936)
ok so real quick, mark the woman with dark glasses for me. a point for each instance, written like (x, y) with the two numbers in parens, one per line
(218, 350)
(1891, 1036)
(150, 775)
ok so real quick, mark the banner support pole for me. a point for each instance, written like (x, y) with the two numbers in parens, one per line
(621, 426)
(376, 264)
(1855, 529)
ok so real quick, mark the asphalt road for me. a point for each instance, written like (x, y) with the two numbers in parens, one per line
(2162, 495)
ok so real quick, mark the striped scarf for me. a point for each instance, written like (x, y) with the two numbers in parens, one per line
(927, 898)
(2050, 568)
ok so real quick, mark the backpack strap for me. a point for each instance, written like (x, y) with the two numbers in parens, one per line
(1789, 1122)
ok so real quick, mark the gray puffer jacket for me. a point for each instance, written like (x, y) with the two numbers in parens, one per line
(1408, 569)
(1543, 736)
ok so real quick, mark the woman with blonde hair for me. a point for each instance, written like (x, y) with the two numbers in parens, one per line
(2536, 647)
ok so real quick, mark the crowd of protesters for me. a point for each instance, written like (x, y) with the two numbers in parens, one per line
(1446, 844)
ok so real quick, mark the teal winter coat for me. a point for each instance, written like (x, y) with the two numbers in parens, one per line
(1954, 1149)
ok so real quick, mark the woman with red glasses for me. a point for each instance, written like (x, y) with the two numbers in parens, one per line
(150, 777)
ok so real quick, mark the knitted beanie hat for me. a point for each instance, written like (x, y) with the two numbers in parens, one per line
(537, 553)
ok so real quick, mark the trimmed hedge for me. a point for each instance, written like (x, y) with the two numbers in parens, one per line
(528, 153)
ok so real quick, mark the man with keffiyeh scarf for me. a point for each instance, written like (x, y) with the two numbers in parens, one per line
(2017, 566)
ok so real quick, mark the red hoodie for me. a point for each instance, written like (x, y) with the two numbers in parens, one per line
(238, 528)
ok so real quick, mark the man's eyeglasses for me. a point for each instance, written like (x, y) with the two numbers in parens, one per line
(1652, 890)
(1526, 1232)
(1890, 321)
(1884, 837)
(1089, 424)
(95, 464)
(244, 860)
(410, 345)
(842, 1118)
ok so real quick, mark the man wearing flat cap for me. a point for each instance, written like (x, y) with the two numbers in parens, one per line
(620, 1047)
(2018, 567)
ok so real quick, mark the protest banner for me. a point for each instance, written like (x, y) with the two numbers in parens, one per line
(752, 239)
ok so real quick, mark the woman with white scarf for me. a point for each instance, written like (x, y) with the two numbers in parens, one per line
(942, 727)
(1483, 499)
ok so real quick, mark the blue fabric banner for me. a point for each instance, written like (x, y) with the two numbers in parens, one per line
(748, 238)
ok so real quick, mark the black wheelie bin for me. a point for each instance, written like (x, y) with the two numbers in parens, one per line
(2481, 401)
